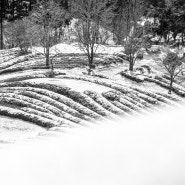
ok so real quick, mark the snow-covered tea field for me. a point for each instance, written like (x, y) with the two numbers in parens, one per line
(32, 103)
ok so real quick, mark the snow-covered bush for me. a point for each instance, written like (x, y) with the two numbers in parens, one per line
(178, 91)
(20, 101)
(170, 97)
(66, 104)
(148, 68)
(52, 103)
(135, 101)
(152, 95)
(123, 56)
(129, 104)
(103, 102)
(140, 69)
(15, 113)
(111, 95)
(140, 56)
(122, 107)
(66, 91)
(132, 77)
(54, 118)
(144, 99)
(100, 76)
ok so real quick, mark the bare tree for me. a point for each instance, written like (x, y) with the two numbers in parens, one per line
(47, 16)
(130, 33)
(90, 14)
(19, 34)
(174, 66)
(133, 45)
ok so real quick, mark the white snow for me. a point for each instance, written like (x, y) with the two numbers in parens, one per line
(140, 151)
(81, 86)
(74, 48)
(77, 85)
(13, 130)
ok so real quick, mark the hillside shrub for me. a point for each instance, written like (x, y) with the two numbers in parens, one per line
(103, 102)
(66, 104)
(140, 56)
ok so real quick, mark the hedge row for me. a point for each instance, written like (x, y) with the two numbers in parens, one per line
(141, 96)
(14, 113)
(67, 105)
(71, 106)
(178, 91)
(21, 103)
(24, 77)
(129, 104)
(151, 94)
(121, 88)
(135, 102)
(51, 117)
(147, 98)
(14, 60)
(103, 102)
(34, 102)
(114, 96)
(52, 103)
(132, 77)
(103, 82)
(125, 108)
(66, 91)
(170, 97)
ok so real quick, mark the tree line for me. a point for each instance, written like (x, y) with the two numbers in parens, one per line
(123, 18)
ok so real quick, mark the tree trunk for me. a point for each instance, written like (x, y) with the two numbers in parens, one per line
(131, 64)
(171, 85)
(52, 70)
(91, 57)
(47, 58)
(131, 67)
(90, 66)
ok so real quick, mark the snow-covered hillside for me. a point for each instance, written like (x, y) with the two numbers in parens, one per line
(72, 98)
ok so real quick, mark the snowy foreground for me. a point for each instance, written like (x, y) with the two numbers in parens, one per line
(145, 150)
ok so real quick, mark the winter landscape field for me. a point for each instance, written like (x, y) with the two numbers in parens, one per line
(92, 92)
(72, 98)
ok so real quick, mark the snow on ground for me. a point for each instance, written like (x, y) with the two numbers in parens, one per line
(20, 130)
(77, 85)
(21, 74)
(74, 48)
(140, 151)
(13, 130)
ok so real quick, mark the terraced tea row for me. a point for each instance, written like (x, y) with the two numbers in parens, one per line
(161, 81)
(51, 103)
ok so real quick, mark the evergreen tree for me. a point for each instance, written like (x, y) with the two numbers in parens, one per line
(2, 16)
(12, 10)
